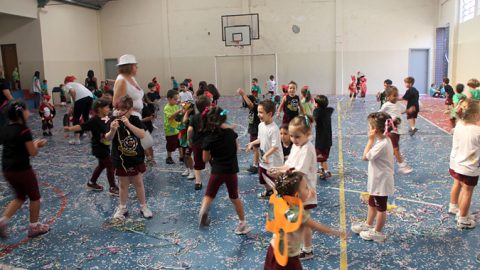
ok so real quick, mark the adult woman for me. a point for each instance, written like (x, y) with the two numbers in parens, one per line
(82, 98)
(91, 81)
(36, 89)
(5, 96)
(125, 84)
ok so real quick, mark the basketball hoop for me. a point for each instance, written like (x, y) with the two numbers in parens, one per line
(237, 44)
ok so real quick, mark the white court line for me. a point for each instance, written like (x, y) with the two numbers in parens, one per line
(396, 198)
(434, 124)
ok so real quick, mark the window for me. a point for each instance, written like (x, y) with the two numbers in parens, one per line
(468, 9)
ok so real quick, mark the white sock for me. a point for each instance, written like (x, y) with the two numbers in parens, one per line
(453, 205)
(307, 249)
(34, 224)
(403, 164)
(122, 206)
(243, 222)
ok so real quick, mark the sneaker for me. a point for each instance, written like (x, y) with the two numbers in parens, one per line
(169, 160)
(203, 219)
(265, 194)
(413, 131)
(360, 227)
(469, 216)
(146, 212)
(253, 169)
(198, 186)
(466, 223)
(45, 134)
(328, 174)
(453, 209)
(121, 213)
(113, 191)
(373, 235)
(242, 228)
(405, 169)
(3, 229)
(186, 172)
(94, 186)
(77, 142)
(322, 175)
(191, 176)
(306, 255)
(71, 142)
(50, 133)
(37, 230)
(180, 159)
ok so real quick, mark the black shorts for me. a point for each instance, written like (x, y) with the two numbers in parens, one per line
(24, 183)
(379, 202)
(131, 171)
(172, 143)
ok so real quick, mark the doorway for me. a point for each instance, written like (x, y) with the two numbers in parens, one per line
(9, 60)
(111, 69)
(418, 68)
(441, 55)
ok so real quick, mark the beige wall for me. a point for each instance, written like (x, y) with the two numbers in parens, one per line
(24, 8)
(25, 33)
(71, 44)
(378, 34)
(468, 51)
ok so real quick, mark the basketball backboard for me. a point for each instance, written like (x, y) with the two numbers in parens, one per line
(237, 35)
(251, 20)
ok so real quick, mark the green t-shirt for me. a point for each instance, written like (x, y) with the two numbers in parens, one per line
(170, 125)
(475, 93)
(456, 99)
(15, 76)
(256, 88)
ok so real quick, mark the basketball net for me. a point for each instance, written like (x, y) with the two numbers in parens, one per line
(237, 42)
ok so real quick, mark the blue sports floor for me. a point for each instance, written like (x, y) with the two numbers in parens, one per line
(420, 233)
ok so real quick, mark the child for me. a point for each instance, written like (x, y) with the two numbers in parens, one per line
(68, 121)
(195, 138)
(100, 146)
(256, 90)
(18, 146)
(379, 153)
(271, 86)
(269, 140)
(290, 104)
(434, 92)
(174, 83)
(306, 101)
(413, 107)
(456, 100)
(323, 137)
(253, 122)
(220, 149)
(464, 160)
(47, 113)
(185, 94)
(148, 116)
(286, 142)
(153, 95)
(363, 87)
(395, 110)
(188, 110)
(303, 159)
(449, 94)
(381, 95)
(352, 88)
(170, 123)
(44, 87)
(292, 190)
(128, 156)
(472, 91)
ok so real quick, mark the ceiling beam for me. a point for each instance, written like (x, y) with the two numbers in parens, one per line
(81, 4)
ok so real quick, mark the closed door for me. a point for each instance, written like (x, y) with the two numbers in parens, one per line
(111, 69)
(9, 57)
(418, 68)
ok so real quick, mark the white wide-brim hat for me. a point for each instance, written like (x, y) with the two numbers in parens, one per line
(126, 59)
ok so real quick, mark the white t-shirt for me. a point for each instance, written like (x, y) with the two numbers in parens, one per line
(380, 168)
(395, 110)
(269, 136)
(185, 96)
(80, 90)
(271, 86)
(304, 159)
(465, 155)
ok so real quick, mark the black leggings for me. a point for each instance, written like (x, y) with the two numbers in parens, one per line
(82, 107)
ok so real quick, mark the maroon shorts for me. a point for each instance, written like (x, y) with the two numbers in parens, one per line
(24, 183)
(198, 157)
(412, 115)
(293, 263)
(131, 171)
(449, 101)
(379, 202)
(467, 180)
(47, 124)
(261, 177)
(395, 138)
(217, 179)
(453, 122)
(322, 154)
(172, 143)
(286, 119)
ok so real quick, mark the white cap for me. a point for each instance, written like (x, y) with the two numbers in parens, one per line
(126, 59)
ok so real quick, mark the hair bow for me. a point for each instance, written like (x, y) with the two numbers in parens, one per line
(389, 123)
(205, 111)
(306, 121)
(224, 112)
